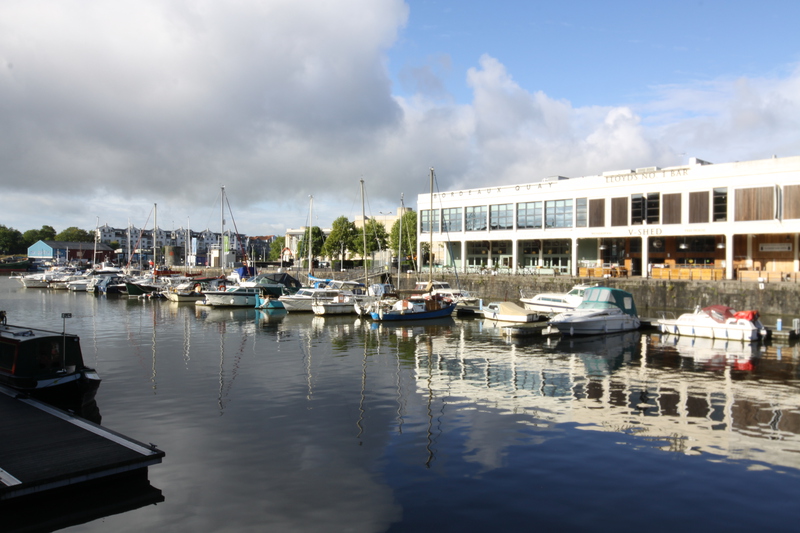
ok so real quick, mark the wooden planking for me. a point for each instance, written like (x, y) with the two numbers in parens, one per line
(44, 448)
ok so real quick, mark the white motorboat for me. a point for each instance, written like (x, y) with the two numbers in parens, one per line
(342, 304)
(551, 303)
(444, 290)
(716, 322)
(301, 300)
(603, 310)
(233, 296)
(508, 312)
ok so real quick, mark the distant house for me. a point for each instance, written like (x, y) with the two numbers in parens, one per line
(69, 251)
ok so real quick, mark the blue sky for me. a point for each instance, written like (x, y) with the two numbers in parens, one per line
(110, 107)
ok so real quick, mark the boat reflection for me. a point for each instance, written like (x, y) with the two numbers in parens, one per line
(713, 354)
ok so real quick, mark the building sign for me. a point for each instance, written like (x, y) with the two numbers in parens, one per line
(775, 247)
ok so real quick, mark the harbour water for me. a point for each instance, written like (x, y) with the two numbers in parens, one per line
(289, 422)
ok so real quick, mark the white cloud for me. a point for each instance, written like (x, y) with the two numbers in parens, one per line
(109, 107)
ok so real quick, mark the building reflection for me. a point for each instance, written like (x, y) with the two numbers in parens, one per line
(694, 396)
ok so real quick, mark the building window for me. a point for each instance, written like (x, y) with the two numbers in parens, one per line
(501, 216)
(672, 209)
(721, 204)
(755, 204)
(698, 207)
(451, 219)
(558, 214)
(581, 212)
(645, 208)
(597, 213)
(425, 220)
(475, 218)
(529, 215)
(619, 211)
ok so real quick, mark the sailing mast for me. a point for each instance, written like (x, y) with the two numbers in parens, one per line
(400, 240)
(430, 231)
(222, 232)
(364, 233)
(310, 219)
(155, 236)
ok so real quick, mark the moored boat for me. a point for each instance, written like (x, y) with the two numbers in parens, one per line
(716, 322)
(45, 364)
(508, 312)
(603, 310)
(415, 308)
(551, 303)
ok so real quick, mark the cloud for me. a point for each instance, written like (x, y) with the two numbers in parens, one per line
(110, 107)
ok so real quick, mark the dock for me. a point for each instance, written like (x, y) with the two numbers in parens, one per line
(45, 449)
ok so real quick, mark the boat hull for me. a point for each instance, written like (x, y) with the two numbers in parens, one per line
(597, 325)
(395, 315)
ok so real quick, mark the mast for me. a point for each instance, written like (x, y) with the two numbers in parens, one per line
(222, 230)
(96, 237)
(155, 234)
(430, 230)
(187, 243)
(400, 240)
(310, 219)
(364, 233)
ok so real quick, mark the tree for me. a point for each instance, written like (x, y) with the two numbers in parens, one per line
(409, 224)
(317, 243)
(276, 248)
(32, 236)
(377, 238)
(11, 241)
(341, 238)
(73, 234)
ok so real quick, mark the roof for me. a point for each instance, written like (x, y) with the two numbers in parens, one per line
(78, 245)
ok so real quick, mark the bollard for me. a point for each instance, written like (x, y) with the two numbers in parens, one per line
(779, 325)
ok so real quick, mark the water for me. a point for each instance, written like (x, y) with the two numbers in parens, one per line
(297, 423)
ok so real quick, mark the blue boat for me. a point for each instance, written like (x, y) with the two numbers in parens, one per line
(414, 308)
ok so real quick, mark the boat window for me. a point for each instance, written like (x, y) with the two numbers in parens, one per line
(7, 354)
(628, 302)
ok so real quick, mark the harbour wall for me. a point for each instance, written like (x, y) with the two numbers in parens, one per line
(652, 296)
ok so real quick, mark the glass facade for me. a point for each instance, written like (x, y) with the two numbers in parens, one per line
(501, 216)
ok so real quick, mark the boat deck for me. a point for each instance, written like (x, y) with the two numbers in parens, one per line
(44, 448)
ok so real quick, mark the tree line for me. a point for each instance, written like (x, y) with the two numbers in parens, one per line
(345, 238)
(14, 242)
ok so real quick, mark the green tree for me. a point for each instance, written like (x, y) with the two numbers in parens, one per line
(276, 248)
(73, 234)
(317, 243)
(32, 236)
(376, 236)
(409, 224)
(11, 241)
(341, 238)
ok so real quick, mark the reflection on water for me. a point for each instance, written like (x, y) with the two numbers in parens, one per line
(283, 421)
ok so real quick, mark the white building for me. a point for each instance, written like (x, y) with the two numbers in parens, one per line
(731, 218)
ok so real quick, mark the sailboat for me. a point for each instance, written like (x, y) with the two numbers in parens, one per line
(426, 306)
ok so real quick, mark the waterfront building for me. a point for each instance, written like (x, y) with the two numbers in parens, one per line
(713, 221)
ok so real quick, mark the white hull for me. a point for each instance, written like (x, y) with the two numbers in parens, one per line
(229, 298)
(594, 323)
(746, 331)
(333, 308)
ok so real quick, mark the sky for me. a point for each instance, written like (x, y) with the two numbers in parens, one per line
(110, 108)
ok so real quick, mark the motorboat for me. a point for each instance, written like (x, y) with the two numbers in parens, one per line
(301, 300)
(551, 303)
(45, 364)
(414, 308)
(508, 312)
(445, 290)
(191, 290)
(233, 296)
(603, 310)
(342, 304)
(716, 322)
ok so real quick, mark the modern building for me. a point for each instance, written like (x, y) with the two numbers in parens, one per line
(721, 220)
